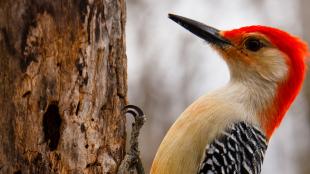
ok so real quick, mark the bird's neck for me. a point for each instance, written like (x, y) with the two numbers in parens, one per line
(255, 98)
(263, 101)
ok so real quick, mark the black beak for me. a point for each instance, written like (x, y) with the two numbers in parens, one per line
(210, 34)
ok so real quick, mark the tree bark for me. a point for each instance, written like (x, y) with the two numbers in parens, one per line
(63, 82)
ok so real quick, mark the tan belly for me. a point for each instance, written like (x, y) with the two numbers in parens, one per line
(176, 156)
(183, 147)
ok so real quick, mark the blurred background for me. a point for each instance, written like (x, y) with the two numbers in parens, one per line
(169, 68)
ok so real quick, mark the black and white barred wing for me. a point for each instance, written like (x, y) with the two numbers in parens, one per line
(240, 150)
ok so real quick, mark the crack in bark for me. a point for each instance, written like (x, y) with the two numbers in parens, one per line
(82, 8)
(7, 40)
(26, 94)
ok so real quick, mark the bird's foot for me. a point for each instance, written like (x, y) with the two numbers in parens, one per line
(132, 161)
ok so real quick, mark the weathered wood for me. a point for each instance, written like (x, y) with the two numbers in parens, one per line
(63, 82)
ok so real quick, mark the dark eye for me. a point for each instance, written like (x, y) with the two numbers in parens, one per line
(253, 44)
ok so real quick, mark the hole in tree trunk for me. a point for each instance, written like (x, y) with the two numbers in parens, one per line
(18, 172)
(51, 126)
(83, 129)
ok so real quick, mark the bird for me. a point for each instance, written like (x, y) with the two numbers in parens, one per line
(227, 131)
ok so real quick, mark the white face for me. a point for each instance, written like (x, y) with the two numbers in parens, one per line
(257, 69)
(255, 58)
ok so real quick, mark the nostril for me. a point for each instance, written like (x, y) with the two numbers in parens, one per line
(51, 126)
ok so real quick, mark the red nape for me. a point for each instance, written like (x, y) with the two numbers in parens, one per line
(296, 51)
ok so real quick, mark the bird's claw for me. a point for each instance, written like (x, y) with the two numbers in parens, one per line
(132, 159)
(135, 111)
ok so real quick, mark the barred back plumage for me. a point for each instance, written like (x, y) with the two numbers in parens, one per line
(239, 150)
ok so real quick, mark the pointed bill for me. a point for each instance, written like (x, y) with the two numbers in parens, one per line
(209, 34)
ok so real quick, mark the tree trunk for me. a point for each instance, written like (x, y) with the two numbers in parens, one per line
(63, 83)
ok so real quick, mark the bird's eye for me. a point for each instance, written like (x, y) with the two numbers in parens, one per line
(253, 44)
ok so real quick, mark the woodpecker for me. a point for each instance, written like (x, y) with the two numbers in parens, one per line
(227, 131)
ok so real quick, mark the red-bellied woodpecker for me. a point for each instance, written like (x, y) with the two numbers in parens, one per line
(227, 131)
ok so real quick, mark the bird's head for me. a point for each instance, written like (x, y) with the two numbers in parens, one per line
(259, 55)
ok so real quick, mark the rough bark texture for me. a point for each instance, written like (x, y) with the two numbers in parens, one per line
(62, 86)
